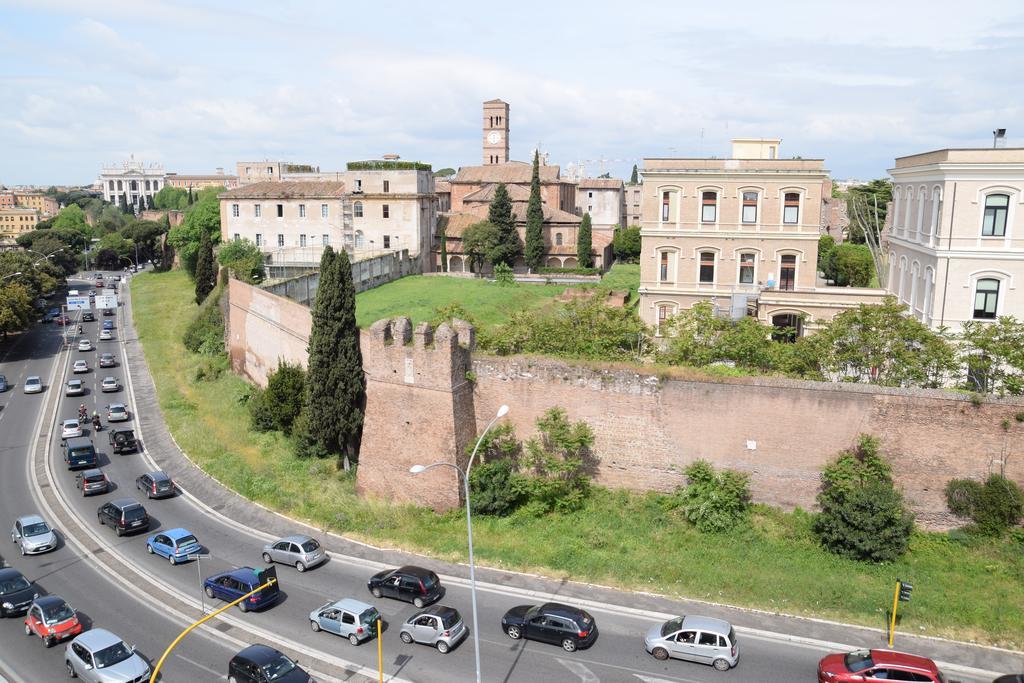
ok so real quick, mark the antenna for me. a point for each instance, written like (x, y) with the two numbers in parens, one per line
(998, 138)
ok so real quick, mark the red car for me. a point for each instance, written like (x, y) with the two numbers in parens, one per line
(62, 320)
(52, 619)
(877, 665)
(99, 284)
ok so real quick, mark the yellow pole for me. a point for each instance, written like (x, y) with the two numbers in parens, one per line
(380, 653)
(895, 601)
(211, 615)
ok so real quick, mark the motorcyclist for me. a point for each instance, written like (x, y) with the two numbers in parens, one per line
(79, 329)
(82, 412)
(95, 419)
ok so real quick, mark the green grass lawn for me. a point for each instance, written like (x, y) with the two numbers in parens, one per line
(962, 590)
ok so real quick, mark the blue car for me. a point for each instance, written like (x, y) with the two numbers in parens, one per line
(231, 585)
(176, 545)
(108, 324)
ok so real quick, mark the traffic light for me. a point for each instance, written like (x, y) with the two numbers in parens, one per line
(905, 590)
(264, 575)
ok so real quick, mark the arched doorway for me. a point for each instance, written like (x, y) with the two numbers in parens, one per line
(570, 263)
(456, 264)
(787, 327)
(554, 262)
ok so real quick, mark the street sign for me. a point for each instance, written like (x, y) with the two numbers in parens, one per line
(78, 303)
(106, 301)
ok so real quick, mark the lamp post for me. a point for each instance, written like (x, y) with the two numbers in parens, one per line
(416, 469)
(7, 277)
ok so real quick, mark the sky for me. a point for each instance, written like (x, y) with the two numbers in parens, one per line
(196, 85)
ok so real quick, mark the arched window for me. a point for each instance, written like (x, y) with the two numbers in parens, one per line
(994, 222)
(357, 209)
(666, 266)
(903, 278)
(558, 239)
(936, 210)
(706, 271)
(791, 208)
(906, 208)
(748, 262)
(915, 269)
(669, 206)
(111, 183)
(787, 272)
(665, 311)
(920, 208)
(986, 298)
(749, 214)
(708, 206)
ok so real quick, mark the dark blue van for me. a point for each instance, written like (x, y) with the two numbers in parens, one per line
(79, 453)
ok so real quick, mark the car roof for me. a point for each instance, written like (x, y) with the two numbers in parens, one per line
(125, 502)
(352, 605)
(440, 611)
(247, 574)
(178, 533)
(891, 657)
(116, 405)
(295, 539)
(156, 476)
(74, 422)
(709, 624)
(48, 600)
(30, 519)
(92, 472)
(560, 609)
(10, 573)
(110, 377)
(107, 354)
(32, 378)
(96, 639)
(414, 570)
(259, 654)
(73, 380)
(78, 441)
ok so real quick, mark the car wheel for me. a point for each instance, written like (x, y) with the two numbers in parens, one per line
(118, 531)
(149, 549)
(23, 550)
(171, 559)
(660, 653)
(208, 591)
(721, 664)
(266, 558)
(28, 630)
(243, 606)
(376, 592)
(514, 632)
(315, 625)
(442, 647)
(418, 602)
(70, 669)
(50, 642)
(299, 567)
(353, 639)
(406, 637)
(569, 645)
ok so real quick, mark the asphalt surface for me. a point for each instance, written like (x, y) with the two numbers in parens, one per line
(222, 524)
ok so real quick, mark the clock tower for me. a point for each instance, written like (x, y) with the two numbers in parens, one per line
(495, 132)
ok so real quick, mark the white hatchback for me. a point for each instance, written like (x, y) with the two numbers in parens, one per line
(80, 366)
(106, 335)
(85, 345)
(69, 429)
(33, 385)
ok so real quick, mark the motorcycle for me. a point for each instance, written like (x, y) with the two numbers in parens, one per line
(96, 423)
(83, 417)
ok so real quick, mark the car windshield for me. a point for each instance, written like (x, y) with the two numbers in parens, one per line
(32, 381)
(92, 478)
(186, 540)
(449, 619)
(859, 660)
(36, 529)
(117, 409)
(310, 545)
(671, 626)
(277, 668)
(71, 424)
(134, 513)
(369, 616)
(57, 613)
(18, 583)
(109, 656)
(429, 581)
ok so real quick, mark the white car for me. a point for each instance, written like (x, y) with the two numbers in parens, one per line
(116, 412)
(33, 534)
(74, 388)
(33, 385)
(69, 429)
(85, 345)
(110, 384)
(80, 366)
(106, 335)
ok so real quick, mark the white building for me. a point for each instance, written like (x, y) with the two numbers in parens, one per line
(131, 179)
(393, 206)
(956, 244)
(602, 199)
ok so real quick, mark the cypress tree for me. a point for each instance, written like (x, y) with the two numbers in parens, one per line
(634, 179)
(351, 387)
(444, 246)
(584, 252)
(509, 247)
(123, 203)
(534, 251)
(206, 272)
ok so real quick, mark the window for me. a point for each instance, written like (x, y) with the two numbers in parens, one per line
(259, 240)
(302, 243)
(135, 186)
(666, 199)
(257, 210)
(664, 313)
(359, 239)
(235, 211)
(558, 239)
(749, 207)
(590, 208)
(147, 185)
(302, 210)
(326, 240)
(791, 208)
(119, 186)
(387, 186)
(787, 273)
(663, 267)
(359, 185)
(237, 237)
(270, 170)
(323, 211)
(357, 209)
(708, 639)
(707, 266)
(280, 240)
(986, 296)
(708, 207)
(387, 241)
(747, 269)
(111, 185)
(994, 222)
(280, 210)
(385, 211)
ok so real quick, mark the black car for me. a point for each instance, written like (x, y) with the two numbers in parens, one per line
(262, 663)
(570, 627)
(1010, 678)
(410, 583)
(122, 440)
(88, 317)
(155, 485)
(108, 311)
(124, 515)
(16, 591)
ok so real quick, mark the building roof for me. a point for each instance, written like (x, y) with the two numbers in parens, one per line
(287, 190)
(442, 186)
(967, 155)
(495, 101)
(518, 193)
(508, 172)
(460, 220)
(599, 183)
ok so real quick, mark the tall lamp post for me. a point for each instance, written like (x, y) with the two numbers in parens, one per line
(416, 469)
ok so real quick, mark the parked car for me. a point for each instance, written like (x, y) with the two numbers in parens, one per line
(107, 360)
(124, 515)
(116, 412)
(92, 481)
(69, 429)
(79, 453)
(231, 585)
(262, 663)
(33, 535)
(33, 385)
(3, 384)
(80, 366)
(174, 544)
(861, 665)
(570, 627)
(110, 384)
(122, 440)
(438, 626)
(16, 593)
(88, 317)
(106, 335)
(85, 345)
(108, 324)
(74, 388)
(302, 552)
(98, 656)
(348, 618)
(695, 639)
(156, 485)
(52, 619)
(410, 583)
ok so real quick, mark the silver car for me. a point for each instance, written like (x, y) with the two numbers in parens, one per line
(33, 385)
(438, 626)
(33, 535)
(695, 639)
(302, 552)
(98, 656)
(348, 618)
(116, 412)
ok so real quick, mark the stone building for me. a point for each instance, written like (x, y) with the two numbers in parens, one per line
(17, 221)
(495, 132)
(955, 245)
(44, 204)
(393, 205)
(196, 182)
(602, 198)
(132, 180)
(631, 195)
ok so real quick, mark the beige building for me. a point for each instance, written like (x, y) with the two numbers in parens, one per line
(44, 204)
(631, 195)
(602, 198)
(740, 232)
(17, 221)
(275, 171)
(132, 180)
(394, 206)
(199, 181)
(956, 243)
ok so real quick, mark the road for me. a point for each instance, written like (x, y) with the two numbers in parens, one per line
(124, 607)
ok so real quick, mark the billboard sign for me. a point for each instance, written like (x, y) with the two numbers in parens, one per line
(106, 301)
(78, 303)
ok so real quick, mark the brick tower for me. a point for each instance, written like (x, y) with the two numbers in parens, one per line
(495, 132)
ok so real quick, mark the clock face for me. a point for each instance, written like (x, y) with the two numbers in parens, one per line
(494, 137)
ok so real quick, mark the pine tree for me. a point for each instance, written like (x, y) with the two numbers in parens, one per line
(584, 252)
(509, 247)
(534, 251)
(444, 247)
(634, 179)
(206, 272)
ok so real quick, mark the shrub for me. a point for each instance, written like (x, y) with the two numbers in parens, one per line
(561, 461)
(284, 395)
(568, 271)
(503, 274)
(715, 502)
(205, 334)
(1000, 506)
(496, 488)
(306, 445)
(962, 496)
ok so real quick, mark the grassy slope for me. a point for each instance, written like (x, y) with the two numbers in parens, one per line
(619, 539)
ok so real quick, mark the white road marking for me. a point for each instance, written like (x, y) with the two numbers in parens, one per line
(585, 675)
(652, 679)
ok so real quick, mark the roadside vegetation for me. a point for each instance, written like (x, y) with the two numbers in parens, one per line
(700, 541)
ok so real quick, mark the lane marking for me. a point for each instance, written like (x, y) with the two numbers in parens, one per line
(579, 670)
(220, 676)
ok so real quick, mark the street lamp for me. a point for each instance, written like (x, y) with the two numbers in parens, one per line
(416, 469)
(7, 277)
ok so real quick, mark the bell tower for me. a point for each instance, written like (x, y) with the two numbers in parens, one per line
(495, 132)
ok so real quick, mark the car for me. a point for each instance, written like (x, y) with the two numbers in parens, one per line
(110, 384)
(52, 619)
(108, 311)
(106, 335)
(99, 284)
(74, 388)
(108, 324)
(861, 665)
(261, 663)
(33, 535)
(62, 320)
(107, 360)
(85, 345)
(70, 428)
(122, 440)
(16, 593)
(409, 583)
(438, 626)
(1010, 678)
(99, 656)
(233, 584)
(88, 316)
(174, 544)
(302, 552)
(98, 276)
(33, 385)
(3, 384)
(695, 639)
(80, 366)
(348, 618)
(79, 453)
(124, 515)
(156, 485)
(116, 412)
(552, 622)
(92, 481)
(115, 278)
